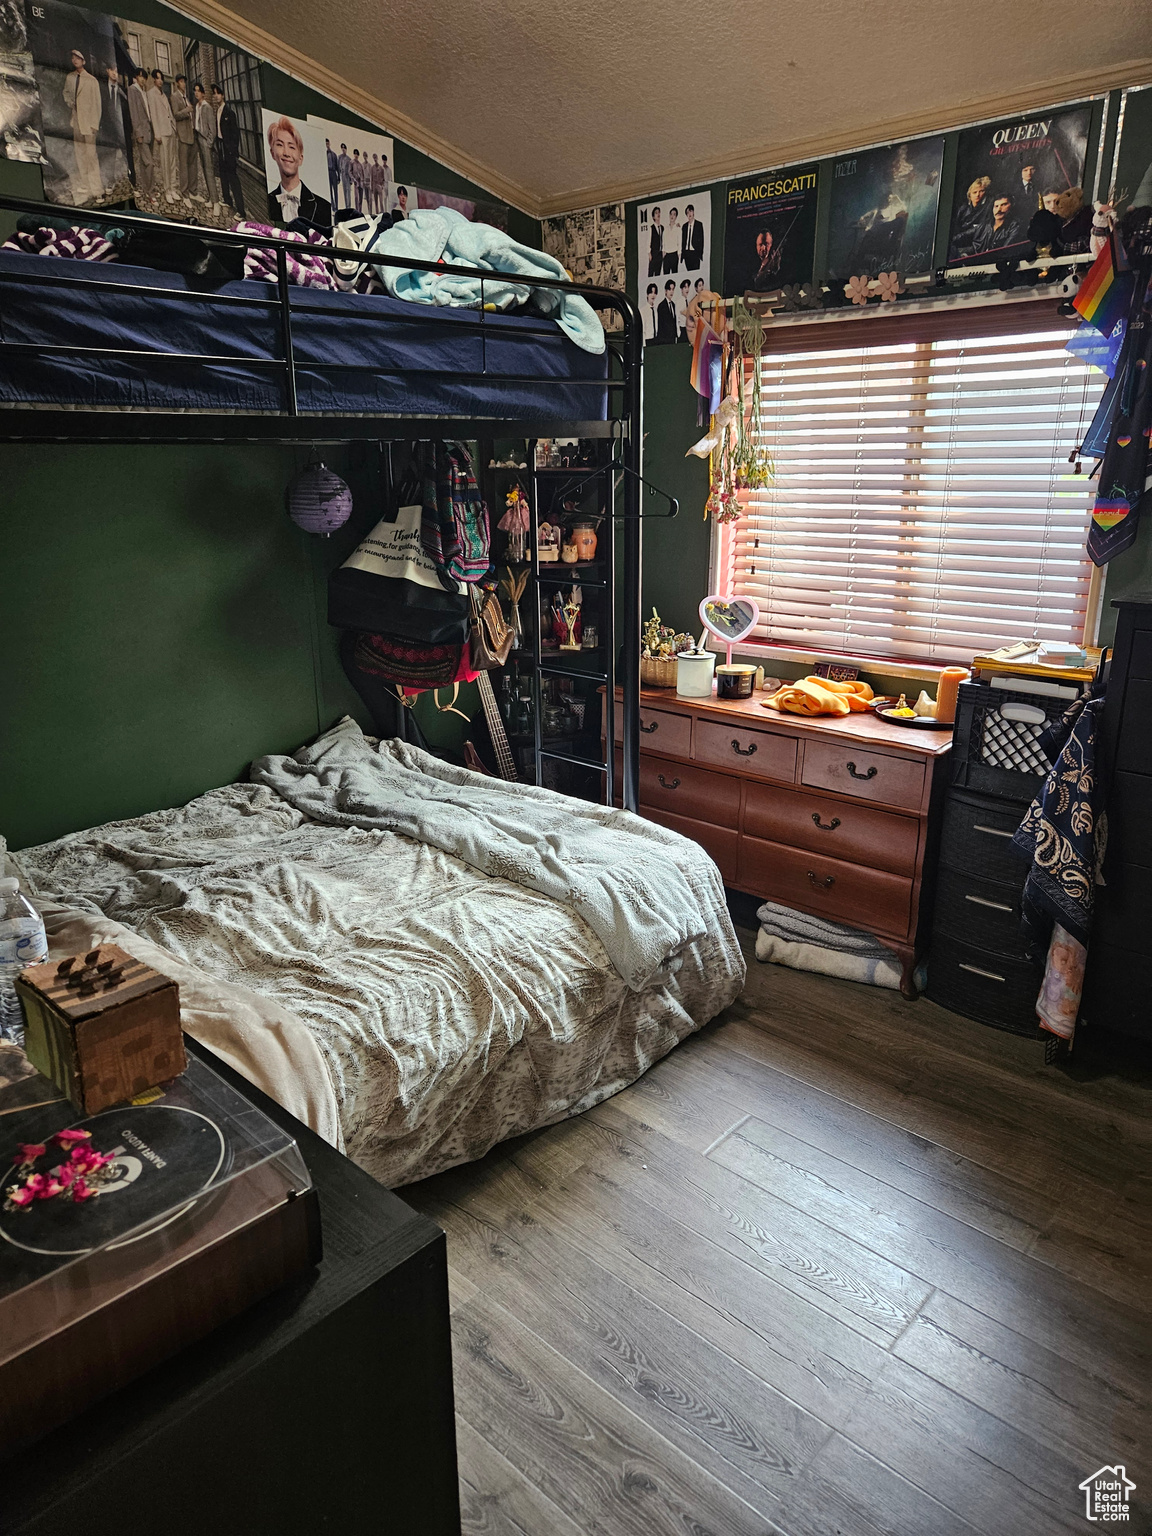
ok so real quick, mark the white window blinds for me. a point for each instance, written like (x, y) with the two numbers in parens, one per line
(923, 505)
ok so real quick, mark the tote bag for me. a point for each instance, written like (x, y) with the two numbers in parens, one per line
(391, 584)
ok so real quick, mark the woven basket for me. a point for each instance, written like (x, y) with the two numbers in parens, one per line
(658, 674)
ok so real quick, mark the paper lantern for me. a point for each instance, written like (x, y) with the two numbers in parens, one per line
(318, 501)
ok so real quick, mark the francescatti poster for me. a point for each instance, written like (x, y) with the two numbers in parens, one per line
(769, 230)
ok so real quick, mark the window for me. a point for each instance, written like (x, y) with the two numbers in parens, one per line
(239, 75)
(923, 506)
(163, 57)
(134, 48)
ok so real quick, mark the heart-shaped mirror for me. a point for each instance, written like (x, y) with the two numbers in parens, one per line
(730, 619)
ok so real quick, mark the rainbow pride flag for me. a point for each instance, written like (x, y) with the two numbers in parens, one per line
(1103, 297)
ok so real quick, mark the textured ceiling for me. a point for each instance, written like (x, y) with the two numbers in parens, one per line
(557, 104)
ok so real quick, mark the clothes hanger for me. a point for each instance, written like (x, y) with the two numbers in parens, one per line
(624, 469)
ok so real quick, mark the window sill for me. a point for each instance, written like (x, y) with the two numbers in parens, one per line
(887, 666)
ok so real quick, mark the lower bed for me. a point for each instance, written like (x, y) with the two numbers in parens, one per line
(411, 1008)
(528, 368)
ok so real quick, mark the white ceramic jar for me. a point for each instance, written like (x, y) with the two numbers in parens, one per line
(694, 674)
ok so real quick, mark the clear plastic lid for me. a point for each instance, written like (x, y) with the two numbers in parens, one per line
(190, 1165)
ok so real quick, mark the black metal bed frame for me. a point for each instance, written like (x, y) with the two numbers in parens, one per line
(291, 425)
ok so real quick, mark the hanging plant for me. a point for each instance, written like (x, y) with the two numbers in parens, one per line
(752, 464)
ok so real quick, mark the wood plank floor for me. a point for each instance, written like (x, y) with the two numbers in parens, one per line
(839, 1266)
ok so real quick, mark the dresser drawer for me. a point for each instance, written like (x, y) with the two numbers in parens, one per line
(992, 989)
(1129, 820)
(979, 912)
(758, 754)
(1122, 906)
(1117, 986)
(846, 893)
(850, 770)
(977, 838)
(1140, 659)
(660, 729)
(857, 833)
(687, 791)
(1134, 749)
(721, 843)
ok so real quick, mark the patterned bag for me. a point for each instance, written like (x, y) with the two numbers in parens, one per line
(412, 664)
(454, 528)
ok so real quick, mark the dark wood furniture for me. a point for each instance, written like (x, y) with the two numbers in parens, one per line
(326, 1407)
(1118, 981)
(830, 815)
(980, 965)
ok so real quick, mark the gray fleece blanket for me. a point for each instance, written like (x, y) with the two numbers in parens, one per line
(642, 909)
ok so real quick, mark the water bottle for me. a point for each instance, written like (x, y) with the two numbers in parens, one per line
(22, 943)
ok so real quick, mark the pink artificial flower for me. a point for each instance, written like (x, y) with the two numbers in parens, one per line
(49, 1189)
(66, 1139)
(82, 1190)
(21, 1196)
(35, 1182)
(65, 1173)
(31, 1150)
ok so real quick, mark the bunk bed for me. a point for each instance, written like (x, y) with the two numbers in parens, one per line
(440, 1026)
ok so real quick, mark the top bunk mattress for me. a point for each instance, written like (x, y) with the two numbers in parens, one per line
(355, 353)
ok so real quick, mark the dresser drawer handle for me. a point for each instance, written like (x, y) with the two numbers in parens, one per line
(991, 831)
(675, 784)
(982, 901)
(829, 826)
(871, 774)
(976, 971)
(648, 729)
(743, 751)
(821, 885)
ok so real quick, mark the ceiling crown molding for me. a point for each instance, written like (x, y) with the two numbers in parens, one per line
(253, 39)
(751, 160)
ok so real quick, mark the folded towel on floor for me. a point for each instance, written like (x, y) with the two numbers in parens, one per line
(805, 943)
(820, 696)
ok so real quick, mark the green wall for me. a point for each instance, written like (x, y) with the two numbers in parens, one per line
(164, 622)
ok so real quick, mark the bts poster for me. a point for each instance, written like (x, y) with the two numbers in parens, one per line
(769, 230)
(674, 245)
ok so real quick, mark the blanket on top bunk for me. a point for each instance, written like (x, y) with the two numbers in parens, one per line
(443, 234)
(399, 999)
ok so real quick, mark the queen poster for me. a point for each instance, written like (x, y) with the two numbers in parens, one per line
(882, 212)
(769, 230)
(1008, 171)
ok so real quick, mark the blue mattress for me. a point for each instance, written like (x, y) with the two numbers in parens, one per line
(423, 350)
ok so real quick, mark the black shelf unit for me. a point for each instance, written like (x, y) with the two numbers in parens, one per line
(620, 434)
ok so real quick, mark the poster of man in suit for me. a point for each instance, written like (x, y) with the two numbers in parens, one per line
(674, 253)
(297, 168)
(85, 154)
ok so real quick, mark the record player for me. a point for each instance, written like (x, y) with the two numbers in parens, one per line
(205, 1206)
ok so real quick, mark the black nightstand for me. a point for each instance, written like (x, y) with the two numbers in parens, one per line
(326, 1407)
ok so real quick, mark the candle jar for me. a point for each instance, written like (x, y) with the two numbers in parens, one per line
(584, 538)
(947, 692)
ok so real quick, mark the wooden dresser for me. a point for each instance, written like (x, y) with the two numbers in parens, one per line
(835, 816)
